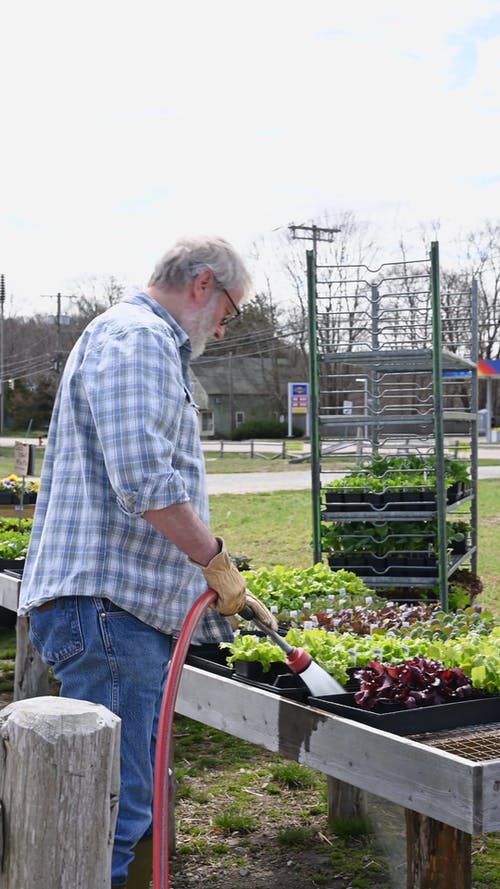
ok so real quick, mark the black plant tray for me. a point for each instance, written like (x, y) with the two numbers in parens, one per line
(279, 679)
(12, 565)
(435, 718)
(209, 657)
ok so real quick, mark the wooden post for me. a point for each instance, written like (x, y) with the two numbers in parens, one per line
(438, 856)
(344, 801)
(59, 780)
(31, 676)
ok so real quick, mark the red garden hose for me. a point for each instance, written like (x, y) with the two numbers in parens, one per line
(164, 739)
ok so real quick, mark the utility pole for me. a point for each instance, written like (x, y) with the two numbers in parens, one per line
(59, 319)
(313, 233)
(2, 386)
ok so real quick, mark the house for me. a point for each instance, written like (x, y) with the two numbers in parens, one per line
(230, 390)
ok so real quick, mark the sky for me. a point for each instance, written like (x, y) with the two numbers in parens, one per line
(127, 124)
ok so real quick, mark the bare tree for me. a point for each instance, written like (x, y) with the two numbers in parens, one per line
(94, 295)
(342, 279)
(483, 255)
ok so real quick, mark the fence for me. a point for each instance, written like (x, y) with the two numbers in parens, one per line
(266, 450)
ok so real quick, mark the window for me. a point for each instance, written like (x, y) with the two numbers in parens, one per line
(239, 418)
(207, 422)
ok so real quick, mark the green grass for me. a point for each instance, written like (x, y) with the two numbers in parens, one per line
(488, 549)
(275, 529)
(350, 827)
(234, 819)
(295, 836)
(7, 644)
(271, 529)
(293, 775)
(231, 462)
(486, 861)
(7, 460)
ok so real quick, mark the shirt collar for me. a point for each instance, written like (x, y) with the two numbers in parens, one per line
(141, 298)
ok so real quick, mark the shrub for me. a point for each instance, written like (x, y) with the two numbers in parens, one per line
(263, 429)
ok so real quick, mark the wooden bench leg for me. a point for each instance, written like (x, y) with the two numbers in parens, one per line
(438, 856)
(344, 801)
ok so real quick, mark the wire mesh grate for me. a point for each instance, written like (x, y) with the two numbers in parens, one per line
(478, 743)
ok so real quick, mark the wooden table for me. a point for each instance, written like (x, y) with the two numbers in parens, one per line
(447, 796)
(16, 511)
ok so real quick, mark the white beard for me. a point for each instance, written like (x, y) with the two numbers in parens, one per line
(199, 325)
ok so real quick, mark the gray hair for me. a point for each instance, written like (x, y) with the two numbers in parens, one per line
(192, 256)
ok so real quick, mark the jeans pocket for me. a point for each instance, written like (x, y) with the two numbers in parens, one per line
(56, 633)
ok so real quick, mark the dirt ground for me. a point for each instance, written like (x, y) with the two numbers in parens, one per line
(292, 843)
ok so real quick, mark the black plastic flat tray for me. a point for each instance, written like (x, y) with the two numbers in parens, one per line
(286, 684)
(279, 679)
(209, 657)
(438, 717)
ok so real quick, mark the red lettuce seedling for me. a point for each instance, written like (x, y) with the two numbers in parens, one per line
(415, 683)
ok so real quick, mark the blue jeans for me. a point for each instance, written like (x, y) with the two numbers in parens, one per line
(105, 655)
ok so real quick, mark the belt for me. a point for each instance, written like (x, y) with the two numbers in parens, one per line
(47, 606)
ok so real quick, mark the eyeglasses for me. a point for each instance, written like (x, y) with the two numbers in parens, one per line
(227, 318)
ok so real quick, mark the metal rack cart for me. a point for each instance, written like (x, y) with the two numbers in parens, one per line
(393, 403)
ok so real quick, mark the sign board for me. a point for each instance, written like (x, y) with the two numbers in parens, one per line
(24, 458)
(298, 403)
(299, 398)
(488, 367)
(347, 408)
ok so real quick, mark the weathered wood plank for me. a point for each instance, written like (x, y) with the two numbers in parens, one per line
(418, 777)
(59, 775)
(488, 797)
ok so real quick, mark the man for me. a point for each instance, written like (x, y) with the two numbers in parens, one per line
(120, 547)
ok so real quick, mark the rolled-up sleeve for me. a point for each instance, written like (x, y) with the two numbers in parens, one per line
(137, 398)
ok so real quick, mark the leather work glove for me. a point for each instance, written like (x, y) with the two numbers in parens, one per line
(223, 576)
(262, 613)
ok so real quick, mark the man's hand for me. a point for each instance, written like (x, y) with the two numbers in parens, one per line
(222, 576)
(260, 611)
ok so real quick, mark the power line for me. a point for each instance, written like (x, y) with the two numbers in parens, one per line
(293, 329)
(36, 373)
(14, 368)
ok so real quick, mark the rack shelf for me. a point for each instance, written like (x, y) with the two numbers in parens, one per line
(393, 377)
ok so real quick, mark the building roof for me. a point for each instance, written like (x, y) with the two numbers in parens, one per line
(241, 376)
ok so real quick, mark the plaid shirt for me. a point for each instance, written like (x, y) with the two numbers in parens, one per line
(123, 439)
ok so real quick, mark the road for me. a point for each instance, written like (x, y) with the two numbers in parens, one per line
(296, 480)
